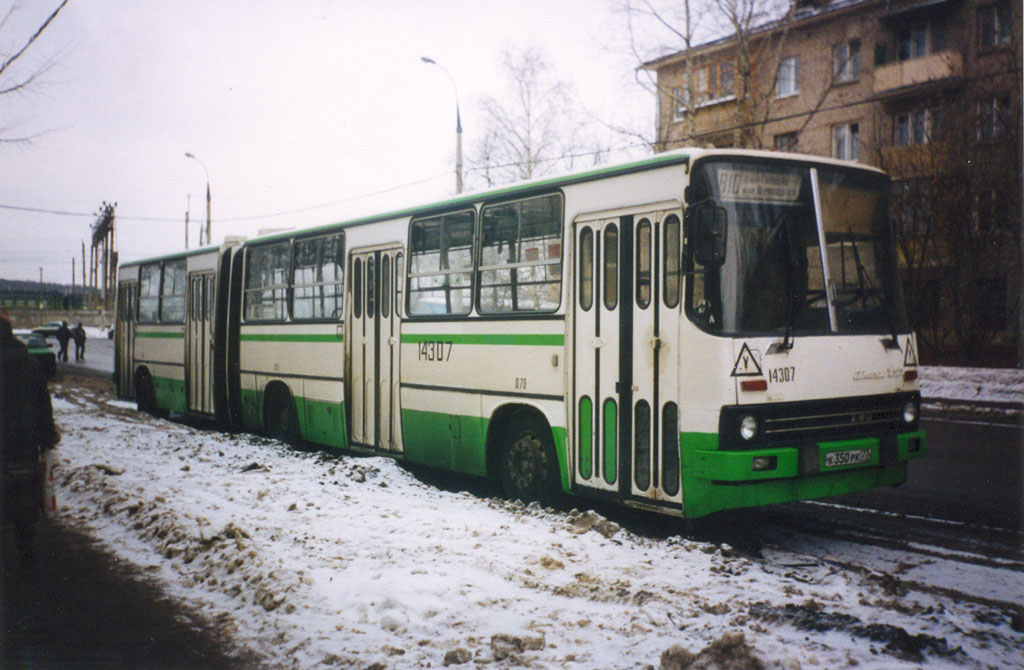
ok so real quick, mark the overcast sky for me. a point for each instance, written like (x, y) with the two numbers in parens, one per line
(289, 104)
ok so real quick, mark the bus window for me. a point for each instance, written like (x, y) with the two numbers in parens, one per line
(670, 449)
(611, 266)
(385, 286)
(399, 282)
(149, 294)
(441, 264)
(643, 266)
(642, 445)
(266, 282)
(521, 256)
(371, 286)
(318, 278)
(671, 264)
(357, 288)
(586, 268)
(172, 295)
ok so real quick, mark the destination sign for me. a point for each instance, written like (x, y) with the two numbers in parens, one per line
(757, 186)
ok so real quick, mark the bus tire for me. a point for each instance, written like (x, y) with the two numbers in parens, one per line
(145, 397)
(281, 421)
(527, 467)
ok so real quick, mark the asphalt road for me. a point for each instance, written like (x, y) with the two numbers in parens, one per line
(973, 472)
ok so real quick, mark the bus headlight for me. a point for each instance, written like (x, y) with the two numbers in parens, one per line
(909, 412)
(748, 427)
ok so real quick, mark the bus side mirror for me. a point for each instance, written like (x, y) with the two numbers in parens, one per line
(709, 225)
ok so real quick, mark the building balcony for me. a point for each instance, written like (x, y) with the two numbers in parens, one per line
(933, 68)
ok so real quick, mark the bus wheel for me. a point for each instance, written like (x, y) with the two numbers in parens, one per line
(145, 397)
(282, 423)
(528, 469)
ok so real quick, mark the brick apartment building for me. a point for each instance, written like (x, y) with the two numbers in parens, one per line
(928, 90)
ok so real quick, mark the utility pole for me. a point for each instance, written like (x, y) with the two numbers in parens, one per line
(85, 289)
(40, 288)
(72, 302)
(188, 208)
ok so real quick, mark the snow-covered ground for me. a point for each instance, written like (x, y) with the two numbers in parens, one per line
(312, 560)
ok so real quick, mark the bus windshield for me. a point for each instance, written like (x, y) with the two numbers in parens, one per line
(808, 251)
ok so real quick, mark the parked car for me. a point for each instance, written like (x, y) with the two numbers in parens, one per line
(39, 349)
(49, 330)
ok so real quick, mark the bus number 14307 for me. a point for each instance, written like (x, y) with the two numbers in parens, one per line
(435, 351)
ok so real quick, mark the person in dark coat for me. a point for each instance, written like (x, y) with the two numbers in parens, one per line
(26, 431)
(63, 337)
(79, 335)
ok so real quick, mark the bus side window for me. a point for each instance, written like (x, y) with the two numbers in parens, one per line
(671, 264)
(357, 288)
(611, 266)
(586, 268)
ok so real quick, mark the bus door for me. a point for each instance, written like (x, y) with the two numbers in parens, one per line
(626, 353)
(199, 342)
(373, 347)
(127, 299)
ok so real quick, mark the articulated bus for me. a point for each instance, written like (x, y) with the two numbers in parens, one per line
(692, 332)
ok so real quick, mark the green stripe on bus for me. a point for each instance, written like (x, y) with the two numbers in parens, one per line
(279, 337)
(481, 338)
(157, 335)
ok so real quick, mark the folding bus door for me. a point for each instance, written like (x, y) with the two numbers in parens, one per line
(199, 342)
(127, 298)
(373, 348)
(626, 354)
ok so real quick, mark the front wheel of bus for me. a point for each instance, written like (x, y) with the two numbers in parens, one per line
(528, 469)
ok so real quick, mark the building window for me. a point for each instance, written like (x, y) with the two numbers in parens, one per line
(918, 127)
(678, 103)
(521, 256)
(786, 142)
(989, 210)
(846, 62)
(911, 204)
(441, 264)
(993, 117)
(919, 38)
(994, 26)
(844, 141)
(716, 82)
(787, 81)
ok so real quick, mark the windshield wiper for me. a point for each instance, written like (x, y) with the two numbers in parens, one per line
(865, 289)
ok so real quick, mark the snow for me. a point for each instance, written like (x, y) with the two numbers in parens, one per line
(973, 384)
(309, 559)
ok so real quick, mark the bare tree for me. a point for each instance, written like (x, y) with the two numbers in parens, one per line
(957, 217)
(16, 76)
(534, 128)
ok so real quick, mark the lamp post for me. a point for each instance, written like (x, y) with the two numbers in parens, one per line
(458, 124)
(189, 155)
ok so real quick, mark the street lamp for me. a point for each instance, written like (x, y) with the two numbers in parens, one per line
(458, 124)
(189, 155)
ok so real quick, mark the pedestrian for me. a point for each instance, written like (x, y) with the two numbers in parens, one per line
(26, 433)
(79, 334)
(63, 337)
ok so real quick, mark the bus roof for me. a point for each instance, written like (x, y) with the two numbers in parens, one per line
(668, 158)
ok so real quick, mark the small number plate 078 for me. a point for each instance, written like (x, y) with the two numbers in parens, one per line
(836, 459)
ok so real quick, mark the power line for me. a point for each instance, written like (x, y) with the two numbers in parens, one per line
(255, 217)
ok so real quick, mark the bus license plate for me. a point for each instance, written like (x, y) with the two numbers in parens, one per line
(836, 459)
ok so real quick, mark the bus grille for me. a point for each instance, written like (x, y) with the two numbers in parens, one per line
(832, 419)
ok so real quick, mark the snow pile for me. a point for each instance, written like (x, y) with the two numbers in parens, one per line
(973, 384)
(314, 560)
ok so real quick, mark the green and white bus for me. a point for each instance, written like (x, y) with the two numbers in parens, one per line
(696, 331)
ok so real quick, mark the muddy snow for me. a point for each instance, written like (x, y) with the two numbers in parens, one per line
(316, 560)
